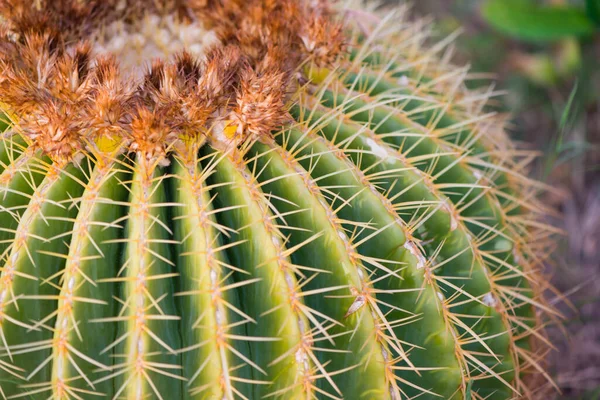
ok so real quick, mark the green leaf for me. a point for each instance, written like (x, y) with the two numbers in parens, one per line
(564, 118)
(593, 10)
(558, 147)
(526, 21)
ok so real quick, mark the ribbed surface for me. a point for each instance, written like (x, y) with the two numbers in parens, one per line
(383, 247)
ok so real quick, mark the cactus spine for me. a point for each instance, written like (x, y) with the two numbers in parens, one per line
(296, 200)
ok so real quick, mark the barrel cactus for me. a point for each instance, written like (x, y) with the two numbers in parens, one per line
(248, 199)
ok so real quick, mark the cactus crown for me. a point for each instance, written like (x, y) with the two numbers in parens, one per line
(87, 62)
(247, 199)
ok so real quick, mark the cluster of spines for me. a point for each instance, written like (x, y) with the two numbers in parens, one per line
(208, 285)
(342, 131)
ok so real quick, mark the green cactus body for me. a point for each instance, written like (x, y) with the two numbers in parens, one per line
(313, 209)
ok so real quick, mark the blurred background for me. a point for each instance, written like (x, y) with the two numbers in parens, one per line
(546, 55)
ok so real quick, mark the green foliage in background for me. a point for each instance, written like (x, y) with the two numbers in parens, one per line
(525, 20)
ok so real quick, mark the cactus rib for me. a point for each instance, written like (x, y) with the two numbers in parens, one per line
(214, 319)
(84, 296)
(33, 258)
(147, 336)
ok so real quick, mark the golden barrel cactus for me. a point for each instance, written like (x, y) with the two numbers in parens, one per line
(257, 199)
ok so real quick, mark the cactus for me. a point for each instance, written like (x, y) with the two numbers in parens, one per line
(248, 199)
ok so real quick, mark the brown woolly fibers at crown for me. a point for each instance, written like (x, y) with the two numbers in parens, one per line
(133, 75)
